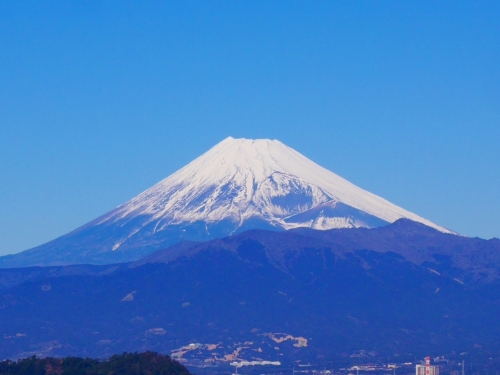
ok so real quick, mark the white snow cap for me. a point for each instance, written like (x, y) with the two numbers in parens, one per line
(238, 179)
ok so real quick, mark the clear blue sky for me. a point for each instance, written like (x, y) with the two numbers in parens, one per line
(100, 100)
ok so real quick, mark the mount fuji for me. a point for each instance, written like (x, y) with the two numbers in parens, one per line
(237, 185)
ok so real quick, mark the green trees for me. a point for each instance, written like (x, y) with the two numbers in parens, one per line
(147, 363)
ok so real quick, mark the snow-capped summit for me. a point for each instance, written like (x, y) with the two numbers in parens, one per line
(242, 179)
(236, 185)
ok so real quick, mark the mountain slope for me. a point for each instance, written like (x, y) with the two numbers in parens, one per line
(237, 185)
(330, 292)
(470, 260)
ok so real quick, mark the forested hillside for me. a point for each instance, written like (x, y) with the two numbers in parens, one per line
(148, 363)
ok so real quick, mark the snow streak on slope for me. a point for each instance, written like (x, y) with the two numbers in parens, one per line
(242, 179)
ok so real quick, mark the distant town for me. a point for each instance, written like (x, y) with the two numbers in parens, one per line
(363, 363)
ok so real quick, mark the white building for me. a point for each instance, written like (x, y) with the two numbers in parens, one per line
(427, 369)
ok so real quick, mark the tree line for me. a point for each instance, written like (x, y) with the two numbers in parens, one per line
(147, 363)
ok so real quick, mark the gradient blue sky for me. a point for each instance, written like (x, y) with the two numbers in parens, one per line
(100, 100)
